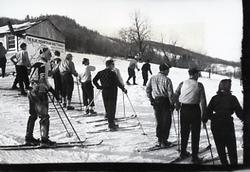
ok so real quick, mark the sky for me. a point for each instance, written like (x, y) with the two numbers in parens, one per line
(211, 27)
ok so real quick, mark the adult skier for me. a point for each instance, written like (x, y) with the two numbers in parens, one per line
(145, 69)
(67, 69)
(131, 70)
(87, 87)
(3, 59)
(56, 74)
(109, 83)
(160, 92)
(38, 101)
(220, 110)
(191, 100)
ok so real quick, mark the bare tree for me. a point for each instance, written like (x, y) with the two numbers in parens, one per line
(137, 34)
(166, 51)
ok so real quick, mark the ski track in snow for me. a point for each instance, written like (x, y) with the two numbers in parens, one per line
(120, 146)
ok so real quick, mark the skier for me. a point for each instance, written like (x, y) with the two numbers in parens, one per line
(22, 62)
(145, 69)
(160, 92)
(87, 87)
(3, 59)
(38, 101)
(131, 70)
(67, 68)
(56, 74)
(220, 110)
(191, 100)
(109, 83)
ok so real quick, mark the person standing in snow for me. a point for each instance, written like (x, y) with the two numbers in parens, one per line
(67, 69)
(145, 69)
(22, 62)
(220, 110)
(131, 70)
(3, 59)
(191, 100)
(109, 83)
(38, 100)
(160, 92)
(56, 74)
(87, 87)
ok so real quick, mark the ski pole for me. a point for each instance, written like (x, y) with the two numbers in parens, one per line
(210, 148)
(136, 116)
(70, 123)
(178, 127)
(79, 93)
(124, 115)
(68, 133)
(97, 94)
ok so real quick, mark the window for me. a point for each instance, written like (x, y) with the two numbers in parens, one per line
(11, 43)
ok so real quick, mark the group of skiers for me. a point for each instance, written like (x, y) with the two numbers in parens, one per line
(189, 99)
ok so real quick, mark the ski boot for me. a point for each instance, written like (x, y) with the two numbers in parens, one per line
(31, 141)
(47, 143)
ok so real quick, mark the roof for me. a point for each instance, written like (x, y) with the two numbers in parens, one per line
(18, 27)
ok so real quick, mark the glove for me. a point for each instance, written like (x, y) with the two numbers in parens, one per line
(138, 69)
(177, 106)
(125, 90)
(152, 102)
(54, 93)
(204, 120)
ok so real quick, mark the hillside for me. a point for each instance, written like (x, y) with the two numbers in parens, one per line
(83, 40)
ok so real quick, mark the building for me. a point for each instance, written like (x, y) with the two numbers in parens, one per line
(35, 34)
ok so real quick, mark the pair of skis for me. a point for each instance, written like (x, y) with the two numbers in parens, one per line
(79, 144)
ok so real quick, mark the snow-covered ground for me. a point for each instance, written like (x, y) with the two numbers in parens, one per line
(118, 146)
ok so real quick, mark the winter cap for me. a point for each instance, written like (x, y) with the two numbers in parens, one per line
(193, 71)
(225, 86)
(164, 66)
(85, 60)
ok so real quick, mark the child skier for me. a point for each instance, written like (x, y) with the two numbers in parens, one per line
(87, 87)
(220, 110)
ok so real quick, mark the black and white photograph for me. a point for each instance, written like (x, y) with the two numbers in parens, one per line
(143, 82)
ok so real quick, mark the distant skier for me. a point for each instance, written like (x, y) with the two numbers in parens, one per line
(191, 100)
(109, 83)
(67, 69)
(131, 70)
(56, 74)
(160, 92)
(145, 69)
(220, 110)
(3, 59)
(22, 62)
(87, 87)
(38, 101)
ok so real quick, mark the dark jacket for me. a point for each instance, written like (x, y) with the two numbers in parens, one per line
(221, 108)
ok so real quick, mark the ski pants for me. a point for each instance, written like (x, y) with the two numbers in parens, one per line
(109, 96)
(88, 93)
(67, 85)
(224, 137)
(22, 76)
(145, 77)
(38, 107)
(3, 65)
(163, 118)
(57, 84)
(190, 119)
(131, 74)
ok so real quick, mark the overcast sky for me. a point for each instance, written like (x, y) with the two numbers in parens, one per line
(213, 27)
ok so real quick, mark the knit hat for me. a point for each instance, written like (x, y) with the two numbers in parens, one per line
(85, 60)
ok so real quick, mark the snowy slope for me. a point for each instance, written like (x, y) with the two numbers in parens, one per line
(117, 146)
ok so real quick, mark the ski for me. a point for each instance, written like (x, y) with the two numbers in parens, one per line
(117, 119)
(58, 143)
(124, 128)
(80, 145)
(157, 147)
(179, 159)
